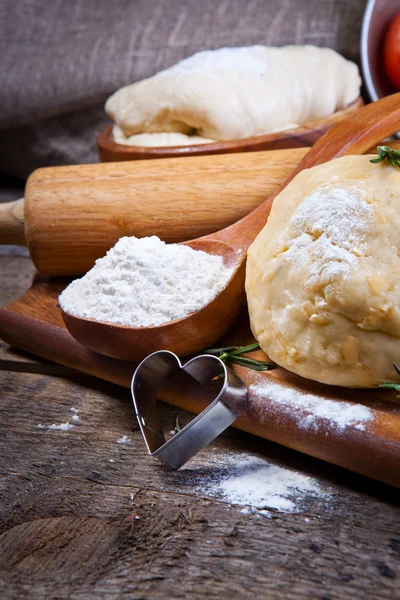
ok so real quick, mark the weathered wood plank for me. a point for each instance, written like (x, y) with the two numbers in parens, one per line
(69, 526)
(16, 274)
(15, 277)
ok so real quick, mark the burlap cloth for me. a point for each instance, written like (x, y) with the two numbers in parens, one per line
(61, 59)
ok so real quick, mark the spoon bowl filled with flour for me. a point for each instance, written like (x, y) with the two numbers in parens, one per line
(132, 302)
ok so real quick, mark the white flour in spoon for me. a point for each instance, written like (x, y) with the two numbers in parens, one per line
(144, 282)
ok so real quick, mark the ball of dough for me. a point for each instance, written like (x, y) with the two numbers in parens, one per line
(236, 93)
(323, 276)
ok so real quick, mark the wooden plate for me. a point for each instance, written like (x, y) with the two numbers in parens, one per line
(306, 135)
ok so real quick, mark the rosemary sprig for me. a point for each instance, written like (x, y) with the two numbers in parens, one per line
(177, 427)
(392, 156)
(233, 354)
(391, 384)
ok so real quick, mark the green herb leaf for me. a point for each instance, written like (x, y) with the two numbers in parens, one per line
(217, 351)
(245, 349)
(233, 354)
(177, 427)
(392, 384)
(384, 152)
(256, 365)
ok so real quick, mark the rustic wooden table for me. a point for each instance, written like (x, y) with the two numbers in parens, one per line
(85, 517)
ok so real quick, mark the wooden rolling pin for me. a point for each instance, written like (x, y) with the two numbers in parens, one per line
(72, 215)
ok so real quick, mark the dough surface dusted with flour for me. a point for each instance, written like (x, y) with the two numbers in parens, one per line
(323, 276)
(235, 93)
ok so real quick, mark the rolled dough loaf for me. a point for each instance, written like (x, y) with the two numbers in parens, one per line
(236, 93)
(323, 276)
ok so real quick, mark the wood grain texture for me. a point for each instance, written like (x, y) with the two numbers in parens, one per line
(69, 528)
(34, 324)
(75, 525)
(306, 135)
(74, 214)
(12, 229)
(16, 277)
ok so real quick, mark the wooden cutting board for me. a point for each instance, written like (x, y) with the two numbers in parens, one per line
(303, 415)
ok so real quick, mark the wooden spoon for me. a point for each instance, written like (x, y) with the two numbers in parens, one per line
(202, 328)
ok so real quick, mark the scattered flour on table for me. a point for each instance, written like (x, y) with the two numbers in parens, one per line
(145, 282)
(257, 485)
(336, 414)
(61, 427)
(75, 416)
(124, 440)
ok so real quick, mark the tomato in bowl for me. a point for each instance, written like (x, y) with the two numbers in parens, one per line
(391, 51)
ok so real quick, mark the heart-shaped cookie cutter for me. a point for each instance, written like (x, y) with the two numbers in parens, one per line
(206, 426)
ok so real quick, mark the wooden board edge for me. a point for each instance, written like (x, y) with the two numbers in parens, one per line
(357, 454)
(56, 344)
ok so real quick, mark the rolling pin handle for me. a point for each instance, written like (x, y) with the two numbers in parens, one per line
(12, 229)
